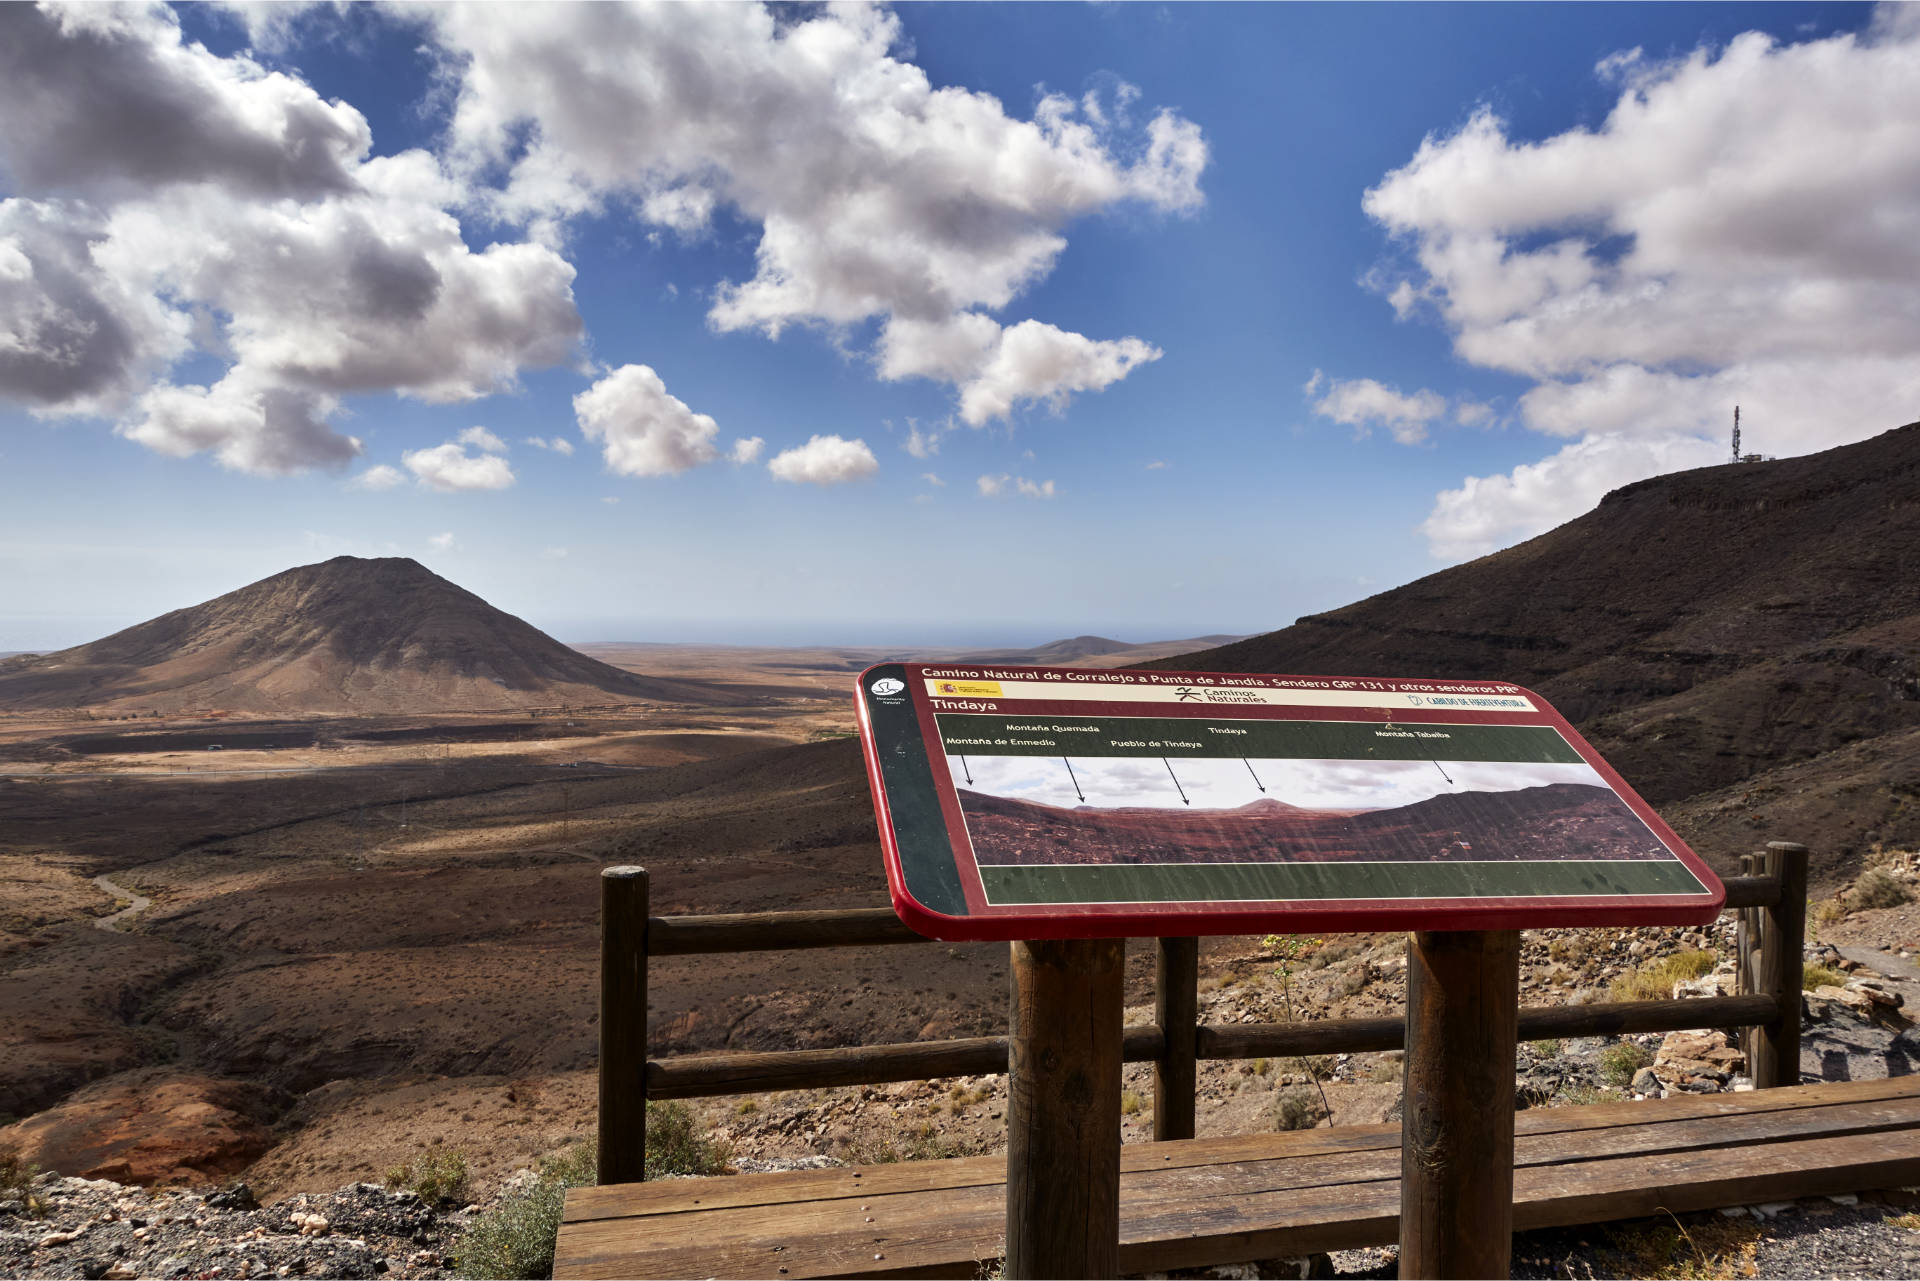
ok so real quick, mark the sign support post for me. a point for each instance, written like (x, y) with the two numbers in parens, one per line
(1063, 1108)
(1072, 808)
(1456, 1128)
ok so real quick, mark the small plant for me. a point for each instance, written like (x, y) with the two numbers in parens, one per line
(745, 1107)
(1876, 889)
(1131, 1103)
(1821, 976)
(1386, 1071)
(1828, 911)
(1654, 981)
(516, 1240)
(1261, 1067)
(1619, 1062)
(677, 1145)
(438, 1178)
(1910, 1221)
(1578, 1096)
(1297, 1110)
(16, 1183)
(1356, 979)
(1544, 1049)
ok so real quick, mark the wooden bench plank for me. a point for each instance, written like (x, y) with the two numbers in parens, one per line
(1187, 1189)
(672, 1196)
(1288, 1193)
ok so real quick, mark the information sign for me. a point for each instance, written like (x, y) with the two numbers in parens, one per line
(1027, 802)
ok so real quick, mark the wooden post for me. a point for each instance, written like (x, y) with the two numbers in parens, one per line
(1063, 1109)
(623, 1025)
(1456, 1144)
(1776, 1057)
(1176, 1008)
(1745, 936)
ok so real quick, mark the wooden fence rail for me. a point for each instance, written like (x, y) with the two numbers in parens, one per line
(1771, 901)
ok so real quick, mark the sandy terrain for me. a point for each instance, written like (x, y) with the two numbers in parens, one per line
(379, 933)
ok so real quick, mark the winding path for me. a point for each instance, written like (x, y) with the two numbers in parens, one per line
(139, 904)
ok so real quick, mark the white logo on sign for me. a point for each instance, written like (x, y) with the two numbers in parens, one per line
(887, 686)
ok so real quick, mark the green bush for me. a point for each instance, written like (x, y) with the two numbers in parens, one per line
(515, 1239)
(677, 1145)
(1619, 1062)
(437, 1177)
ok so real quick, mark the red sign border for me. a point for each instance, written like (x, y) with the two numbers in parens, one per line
(1130, 920)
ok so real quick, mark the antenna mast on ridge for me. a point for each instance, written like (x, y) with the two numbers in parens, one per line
(1736, 433)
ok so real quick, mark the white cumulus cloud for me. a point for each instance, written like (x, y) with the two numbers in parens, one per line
(553, 444)
(1005, 484)
(876, 194)
(482, 439)
(644, 430)
(824, 460)
(1742, 228)
(380, 476)
(1363, 403)
(169, 201)
(449, 468)
(747, 450)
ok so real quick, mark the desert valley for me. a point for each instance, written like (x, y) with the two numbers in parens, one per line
(303, 879)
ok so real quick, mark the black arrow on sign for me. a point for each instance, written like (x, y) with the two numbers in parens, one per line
(1176, 781)
(1443, 772)
(1076, 782)
(964, 769)
(1256, 778)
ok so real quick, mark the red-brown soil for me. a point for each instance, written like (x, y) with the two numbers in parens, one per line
(1554, 821)
(155, 1126)
(350, 635)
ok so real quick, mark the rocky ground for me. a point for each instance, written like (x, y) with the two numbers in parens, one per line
(95, 1228)
(1863, 977)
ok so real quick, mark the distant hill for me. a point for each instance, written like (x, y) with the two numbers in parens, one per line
(1742, 642)
(346, 636)
(1090, 651)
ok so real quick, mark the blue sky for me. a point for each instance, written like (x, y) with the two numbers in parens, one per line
(945, 324)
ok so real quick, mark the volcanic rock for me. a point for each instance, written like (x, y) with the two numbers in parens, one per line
(347, 635)
(153, 1127)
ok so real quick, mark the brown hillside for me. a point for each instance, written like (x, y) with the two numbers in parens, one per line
(1706, 630)
(348, 635)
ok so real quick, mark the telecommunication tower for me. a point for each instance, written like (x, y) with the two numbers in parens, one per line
(1736, 433)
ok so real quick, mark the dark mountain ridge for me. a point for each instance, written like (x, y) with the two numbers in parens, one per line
(346, 635)
(1703, 629)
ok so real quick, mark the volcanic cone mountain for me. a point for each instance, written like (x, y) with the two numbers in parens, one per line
(345, 636)
(1742, 642)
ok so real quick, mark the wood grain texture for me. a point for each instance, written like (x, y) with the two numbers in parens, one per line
(1063, 1108)
(1176, 1009)
(1776, 1057)
(622, 1127)
(705, 1075)
(1245, 1197)
(778, 931)
(1457, 1139)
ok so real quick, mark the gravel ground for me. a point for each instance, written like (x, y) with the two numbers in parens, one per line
(1871, 1235)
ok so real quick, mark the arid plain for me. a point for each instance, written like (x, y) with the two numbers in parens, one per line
(329, 942)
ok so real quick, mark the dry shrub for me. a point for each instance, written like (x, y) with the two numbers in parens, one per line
(1619, 1062)
(1297, 1109)
(1821, 976)
(1876, 889)
(1654, 981)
